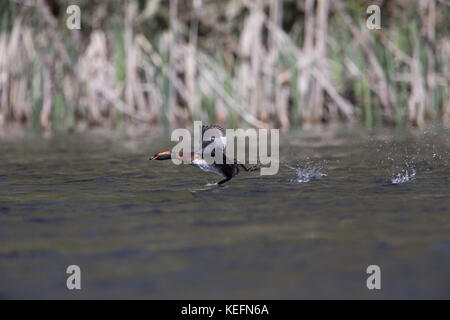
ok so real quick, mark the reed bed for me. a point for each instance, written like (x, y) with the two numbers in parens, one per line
(260, 63)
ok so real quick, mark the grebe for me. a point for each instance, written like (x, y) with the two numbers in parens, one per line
(224, 169)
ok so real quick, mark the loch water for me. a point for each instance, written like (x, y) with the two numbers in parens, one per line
(342, 200)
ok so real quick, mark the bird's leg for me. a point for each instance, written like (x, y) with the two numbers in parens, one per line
(223, 180)
(252, 168)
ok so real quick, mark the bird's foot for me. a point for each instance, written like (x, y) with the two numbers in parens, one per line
(254, 168)
(215, 184)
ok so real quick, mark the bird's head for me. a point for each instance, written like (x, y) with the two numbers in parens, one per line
(166, 155)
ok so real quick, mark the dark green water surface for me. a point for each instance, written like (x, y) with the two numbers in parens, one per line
(340, 202)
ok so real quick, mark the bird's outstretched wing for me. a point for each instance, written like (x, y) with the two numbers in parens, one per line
(217, 135)
(213, 126)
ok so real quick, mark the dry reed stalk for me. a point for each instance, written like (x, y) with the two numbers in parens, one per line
(130, 60)
(52, 30)
(96, 72)
(190, 63)
(279, 104)
(4, 78)
(251, 51)
(304, 76)
(444, 48)
(173, 11)
(211, 76)
(320, 49)
(154, 97)
(134, 91)
(17, 55)
(228, 99)
(283, 41)
(430, 36)
(377, 77)
(47, 101)
(13, 67)
(220, 113)
(399, 55)
(282, 93)
(417, 99)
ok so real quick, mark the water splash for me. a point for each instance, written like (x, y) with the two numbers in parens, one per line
(403, 163)
(307, 172)
(403, 176)
(406, 172)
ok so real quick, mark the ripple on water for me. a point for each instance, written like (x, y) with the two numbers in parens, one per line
(308, 171)
(4, 209)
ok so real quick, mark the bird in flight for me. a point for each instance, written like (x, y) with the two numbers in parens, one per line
(225, 169)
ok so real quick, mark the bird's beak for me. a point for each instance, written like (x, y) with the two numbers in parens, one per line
(166, 155)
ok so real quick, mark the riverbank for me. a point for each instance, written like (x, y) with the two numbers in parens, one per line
(239, 63)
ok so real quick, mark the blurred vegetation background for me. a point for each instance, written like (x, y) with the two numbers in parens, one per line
(260, 63)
